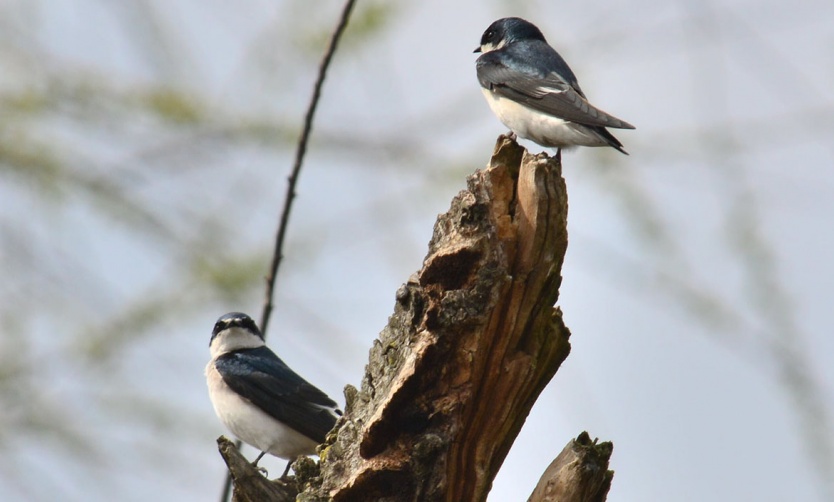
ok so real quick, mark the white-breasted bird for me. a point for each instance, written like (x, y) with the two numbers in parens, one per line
(533, 91)
(259, 398)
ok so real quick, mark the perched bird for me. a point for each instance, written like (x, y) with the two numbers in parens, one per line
(533, 91)
(259, 398)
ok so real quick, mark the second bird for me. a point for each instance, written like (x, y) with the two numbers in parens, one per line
(533, 91)
(259, 398)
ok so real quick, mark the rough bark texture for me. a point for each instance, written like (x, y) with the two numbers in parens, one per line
(579, 474)
(473, 340)
(250, 485)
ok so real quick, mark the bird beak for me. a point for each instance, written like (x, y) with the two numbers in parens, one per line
(477, 50)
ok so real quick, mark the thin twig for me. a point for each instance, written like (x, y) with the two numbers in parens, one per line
(278, 256)
(300, 151)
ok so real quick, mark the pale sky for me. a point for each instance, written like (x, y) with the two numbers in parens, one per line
(697, 266)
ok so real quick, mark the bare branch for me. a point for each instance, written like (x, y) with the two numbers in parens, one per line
(301, 150)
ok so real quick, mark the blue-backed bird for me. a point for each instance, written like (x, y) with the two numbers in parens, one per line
(259, 398)
(533, 91)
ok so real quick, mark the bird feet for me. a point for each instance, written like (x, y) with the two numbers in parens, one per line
(286, 471)
(513, 136)
(260, 469)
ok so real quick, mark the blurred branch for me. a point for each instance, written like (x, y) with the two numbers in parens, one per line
(784, 339)
(766, 293)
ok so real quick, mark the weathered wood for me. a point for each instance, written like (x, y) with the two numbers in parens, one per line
(249, 484)
(579, 474)
(473, 340)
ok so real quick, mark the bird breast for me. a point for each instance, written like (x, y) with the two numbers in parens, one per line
(252, 425)
(544, 129)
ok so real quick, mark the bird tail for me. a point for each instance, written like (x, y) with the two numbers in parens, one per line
(610, 139)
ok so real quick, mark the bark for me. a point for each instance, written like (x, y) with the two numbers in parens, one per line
(473, 340)
(579, 474)
(250, 485)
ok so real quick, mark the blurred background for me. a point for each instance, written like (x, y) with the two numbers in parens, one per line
(144, 151)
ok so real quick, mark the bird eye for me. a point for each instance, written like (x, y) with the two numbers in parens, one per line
(490, 34)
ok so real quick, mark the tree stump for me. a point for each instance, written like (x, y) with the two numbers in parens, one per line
(473, 340)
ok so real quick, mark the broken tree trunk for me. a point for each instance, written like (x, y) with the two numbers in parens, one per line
(473, 341)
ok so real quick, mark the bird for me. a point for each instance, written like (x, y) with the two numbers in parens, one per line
(259, 398)
(533, 91)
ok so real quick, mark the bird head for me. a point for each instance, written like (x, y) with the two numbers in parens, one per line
(506, 31)
(234, 331)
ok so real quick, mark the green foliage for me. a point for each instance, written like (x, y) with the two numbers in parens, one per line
(171, 105)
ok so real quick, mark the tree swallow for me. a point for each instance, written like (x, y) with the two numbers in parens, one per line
(533, 91)
(259, 398)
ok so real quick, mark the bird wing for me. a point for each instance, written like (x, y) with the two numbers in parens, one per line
(265, 380)
(549, 94)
